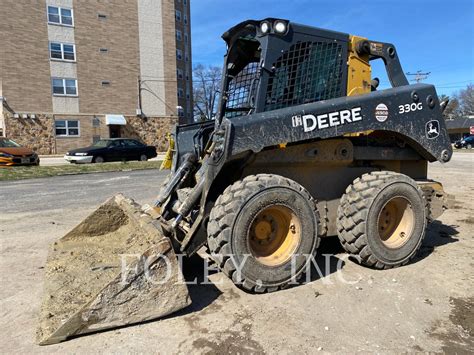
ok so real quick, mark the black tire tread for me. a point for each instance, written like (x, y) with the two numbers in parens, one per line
(224, 212)
(352, 213)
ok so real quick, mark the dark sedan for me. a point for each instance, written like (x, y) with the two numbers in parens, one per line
(118, 149)
(467, 142)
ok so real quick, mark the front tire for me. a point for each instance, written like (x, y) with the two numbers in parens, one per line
(381, 219)
(143, 157)
(267, 226)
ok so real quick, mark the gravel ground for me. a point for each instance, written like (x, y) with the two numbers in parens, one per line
(425, 306)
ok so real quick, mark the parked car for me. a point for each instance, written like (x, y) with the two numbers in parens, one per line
(466, 142)
(117, 149)
(11, 153)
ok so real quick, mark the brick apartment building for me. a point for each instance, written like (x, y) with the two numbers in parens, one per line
(75, 71)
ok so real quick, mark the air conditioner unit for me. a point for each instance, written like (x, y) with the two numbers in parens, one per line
(24, 116)
(33, 116)
(16, 115)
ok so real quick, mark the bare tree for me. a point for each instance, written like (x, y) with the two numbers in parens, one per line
(206, 86)
(452, 110)
(460, 104)
(466, 100)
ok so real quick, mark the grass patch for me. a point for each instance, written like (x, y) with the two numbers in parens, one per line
(33, 172)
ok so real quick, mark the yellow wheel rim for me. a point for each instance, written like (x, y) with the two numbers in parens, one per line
(396, 222)
(274, 235)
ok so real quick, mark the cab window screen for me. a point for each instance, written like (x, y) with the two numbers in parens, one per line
(240, 88)
(307, 72)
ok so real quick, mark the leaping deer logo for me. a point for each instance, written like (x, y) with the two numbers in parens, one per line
(432, 129)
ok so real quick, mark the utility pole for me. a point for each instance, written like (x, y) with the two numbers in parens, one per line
(419, 76)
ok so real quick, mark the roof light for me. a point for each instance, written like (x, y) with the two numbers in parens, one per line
(265, 27)
(280, 27)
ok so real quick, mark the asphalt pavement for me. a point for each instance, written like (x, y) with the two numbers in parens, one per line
(73, 192)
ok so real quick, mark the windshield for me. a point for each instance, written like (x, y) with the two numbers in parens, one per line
(8, 143)
(102, 143)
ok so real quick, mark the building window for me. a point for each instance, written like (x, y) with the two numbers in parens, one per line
(64, 87)
(62, 51)
(179, 74)
(185, 2)
(185, 19)
(179, 54)
(187, 56)
(188, 93)
(180, 93)
(186, 38)
(187, 75)
(67, 128)
(178, 16)
(60, 16)
(179, 35)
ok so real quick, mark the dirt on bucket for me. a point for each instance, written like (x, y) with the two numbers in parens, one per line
(85, 289)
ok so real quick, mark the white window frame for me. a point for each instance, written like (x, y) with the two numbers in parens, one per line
(78, 135)
(179, 54)
(180, 93)
(179, 35)
(64, 87)
(62, 59)
(180, 74)
(185, 19)
(178, 15)
(60, 23)
(186, 38)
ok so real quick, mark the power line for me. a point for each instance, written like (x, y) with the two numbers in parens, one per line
(419, 76)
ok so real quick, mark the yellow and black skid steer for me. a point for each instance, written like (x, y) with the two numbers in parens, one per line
(303, 146)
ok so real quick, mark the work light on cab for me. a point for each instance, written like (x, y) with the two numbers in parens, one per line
(265, 27)
(280, 27)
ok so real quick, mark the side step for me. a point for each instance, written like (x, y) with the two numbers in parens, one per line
(115, 268)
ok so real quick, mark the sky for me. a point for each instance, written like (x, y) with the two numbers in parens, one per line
(430, 35)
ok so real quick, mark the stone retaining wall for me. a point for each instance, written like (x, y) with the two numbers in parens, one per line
(35, 133)
(39, 133)
(150, 130)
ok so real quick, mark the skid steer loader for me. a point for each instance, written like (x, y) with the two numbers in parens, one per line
(303, 146)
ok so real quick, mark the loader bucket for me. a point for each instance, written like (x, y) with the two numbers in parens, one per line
(113, 269)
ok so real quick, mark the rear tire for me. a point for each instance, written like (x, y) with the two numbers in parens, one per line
(143, 157)
(99, 159)
(266, 225)
(381, 219)
(469, 146)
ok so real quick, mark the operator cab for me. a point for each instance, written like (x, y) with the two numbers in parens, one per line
(273, 64)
